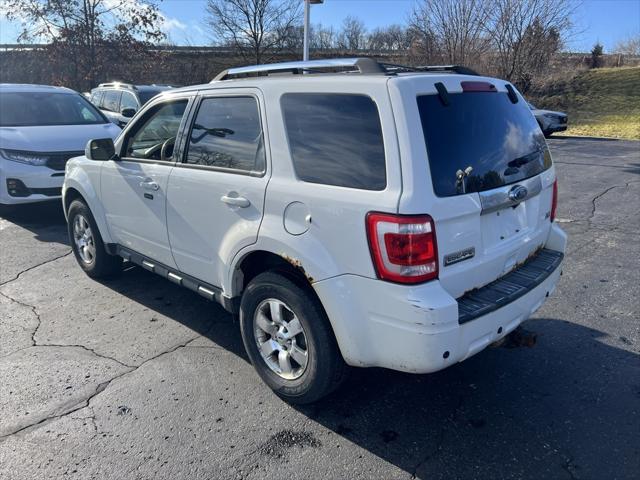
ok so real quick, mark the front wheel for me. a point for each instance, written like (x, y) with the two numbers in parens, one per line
(289, 339)
(87, 244)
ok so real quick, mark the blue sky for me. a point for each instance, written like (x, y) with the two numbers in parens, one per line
(606, 21)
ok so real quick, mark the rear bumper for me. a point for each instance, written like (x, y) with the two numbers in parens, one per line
(36, 184)
(417, 328)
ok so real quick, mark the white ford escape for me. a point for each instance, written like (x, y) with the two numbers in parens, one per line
(360, 214)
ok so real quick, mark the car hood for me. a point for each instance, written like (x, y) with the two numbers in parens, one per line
(55, 138)
(538, 111)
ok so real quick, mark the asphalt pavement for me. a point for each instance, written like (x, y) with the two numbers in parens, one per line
(138, 378)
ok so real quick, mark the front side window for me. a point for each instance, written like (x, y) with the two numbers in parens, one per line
(128, 100)
(154, 135)
(111, 100)
(335, 139)
(226, 133)
(22, 109)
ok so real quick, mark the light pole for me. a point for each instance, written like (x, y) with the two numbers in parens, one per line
(307, 11)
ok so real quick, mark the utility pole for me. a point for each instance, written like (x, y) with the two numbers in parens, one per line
(307, 14)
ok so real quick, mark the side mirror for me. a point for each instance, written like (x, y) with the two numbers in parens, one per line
(101, 149)
(128, 112)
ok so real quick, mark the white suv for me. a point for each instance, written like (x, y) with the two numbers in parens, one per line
(351, 212)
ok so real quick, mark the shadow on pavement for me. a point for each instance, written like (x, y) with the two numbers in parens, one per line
(566, 408)
(45, 220)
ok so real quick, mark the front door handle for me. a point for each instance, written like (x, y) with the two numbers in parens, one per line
(233, 199)
(149, 184)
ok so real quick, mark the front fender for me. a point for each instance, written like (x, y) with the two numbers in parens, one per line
(83, 176)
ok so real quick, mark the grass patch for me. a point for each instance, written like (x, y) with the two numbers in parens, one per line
(603, 102)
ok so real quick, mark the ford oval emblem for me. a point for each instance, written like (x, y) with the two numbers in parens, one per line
(518, 193)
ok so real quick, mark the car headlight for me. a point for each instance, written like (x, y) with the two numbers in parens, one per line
(551, 116)
(29, 158)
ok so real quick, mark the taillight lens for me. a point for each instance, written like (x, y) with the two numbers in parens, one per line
(403, 248)
(554, 200)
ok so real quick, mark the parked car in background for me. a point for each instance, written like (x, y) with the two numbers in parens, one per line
(41, 127)
(549, 121)
(372, 224)
(120, 101)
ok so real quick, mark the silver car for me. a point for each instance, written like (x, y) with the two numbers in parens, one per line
(549, 121)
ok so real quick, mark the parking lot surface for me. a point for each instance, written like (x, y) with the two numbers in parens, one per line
(138, 378)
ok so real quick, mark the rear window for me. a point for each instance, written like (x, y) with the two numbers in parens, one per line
(495, 141)
(335, 139)
(23, 109)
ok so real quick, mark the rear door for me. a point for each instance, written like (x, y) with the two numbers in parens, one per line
(216, 194)
(482, 170)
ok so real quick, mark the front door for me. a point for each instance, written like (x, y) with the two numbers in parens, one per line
(216, 195)
(135, 205)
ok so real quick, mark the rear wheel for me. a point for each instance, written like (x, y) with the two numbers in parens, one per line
(289, 339)
(87, 244)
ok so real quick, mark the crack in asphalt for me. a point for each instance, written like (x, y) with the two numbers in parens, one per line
(86, 402)
(19, 274)
(603, 193)
(34, 342)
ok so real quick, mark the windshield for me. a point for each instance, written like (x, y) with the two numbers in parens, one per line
(480, 141)
(22, 109)
(147, 95)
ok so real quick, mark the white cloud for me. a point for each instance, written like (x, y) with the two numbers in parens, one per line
(171, 24)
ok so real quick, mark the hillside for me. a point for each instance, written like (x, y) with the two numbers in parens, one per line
(601, 102)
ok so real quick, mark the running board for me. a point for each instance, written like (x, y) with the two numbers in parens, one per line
(210, 292)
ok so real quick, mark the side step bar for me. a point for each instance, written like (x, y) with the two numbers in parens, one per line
(510, 287)
(210, 292)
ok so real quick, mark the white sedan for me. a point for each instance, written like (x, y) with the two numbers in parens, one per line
(41, 127)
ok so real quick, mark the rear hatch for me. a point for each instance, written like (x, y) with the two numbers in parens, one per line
(492, 180)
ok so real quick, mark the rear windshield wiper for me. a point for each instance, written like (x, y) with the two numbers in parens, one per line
(514, 165)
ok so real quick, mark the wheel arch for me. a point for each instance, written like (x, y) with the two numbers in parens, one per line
(78, 186)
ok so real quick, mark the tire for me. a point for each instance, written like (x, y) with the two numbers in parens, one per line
(93, 258)
(325, 368)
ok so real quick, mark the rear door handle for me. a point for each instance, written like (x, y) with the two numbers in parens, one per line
(149, 184)
(232, 199)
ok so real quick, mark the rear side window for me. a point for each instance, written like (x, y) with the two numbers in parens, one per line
(494, 141)
(96, 98)
(111, 100)
(226, 133)
(335, 139)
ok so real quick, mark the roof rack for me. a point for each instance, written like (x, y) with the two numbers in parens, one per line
(359, 65)
(332, 65)
(393, 68)
(118, 84)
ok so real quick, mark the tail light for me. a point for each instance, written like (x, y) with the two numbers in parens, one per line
(554, 200)
(403, 248)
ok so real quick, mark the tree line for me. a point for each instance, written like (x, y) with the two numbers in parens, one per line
(512, 39)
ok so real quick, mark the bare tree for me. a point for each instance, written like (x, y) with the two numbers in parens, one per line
(353, 35)
(629, 46)
(521, 29)
(458, 27)
(322, 38)
(87, 34)
(257, 29)
(393, 38)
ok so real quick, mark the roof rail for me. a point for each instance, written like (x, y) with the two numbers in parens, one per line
(448, 68)
(342, 65)
(118, 84)
(359, 65)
